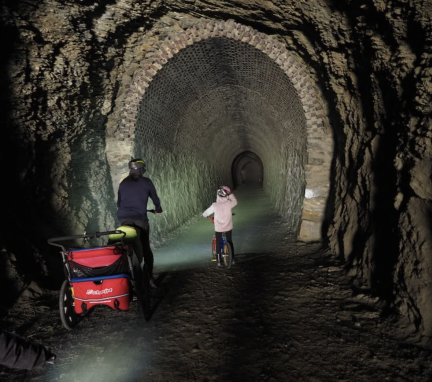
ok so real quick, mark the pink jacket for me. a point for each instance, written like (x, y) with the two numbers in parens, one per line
(222, 213)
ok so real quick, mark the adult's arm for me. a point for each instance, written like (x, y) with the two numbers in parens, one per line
(118, 198)
(19, 353)
(155, 198)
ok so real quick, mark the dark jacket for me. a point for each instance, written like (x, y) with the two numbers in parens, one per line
(19, 353)
(132, 199)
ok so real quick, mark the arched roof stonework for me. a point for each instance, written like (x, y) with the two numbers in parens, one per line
(121, 141)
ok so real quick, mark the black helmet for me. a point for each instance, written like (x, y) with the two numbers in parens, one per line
(137, 164)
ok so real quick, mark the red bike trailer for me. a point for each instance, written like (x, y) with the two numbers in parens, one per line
(108, 275)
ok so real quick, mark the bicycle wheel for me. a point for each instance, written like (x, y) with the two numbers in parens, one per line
(214, 248)
(140, 289)
(68, 316)
(146, 293)
(227, 255)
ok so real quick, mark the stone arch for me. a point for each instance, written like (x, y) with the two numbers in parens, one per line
(121, 141)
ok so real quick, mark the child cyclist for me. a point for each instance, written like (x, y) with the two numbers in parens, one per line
(225, 201)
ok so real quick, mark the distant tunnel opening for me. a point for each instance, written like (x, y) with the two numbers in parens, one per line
(247, 170)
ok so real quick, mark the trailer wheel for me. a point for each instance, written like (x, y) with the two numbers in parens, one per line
(68, 316)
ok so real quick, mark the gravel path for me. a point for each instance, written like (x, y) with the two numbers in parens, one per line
(284, 312)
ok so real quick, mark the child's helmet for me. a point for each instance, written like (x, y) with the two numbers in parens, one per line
(223, 191)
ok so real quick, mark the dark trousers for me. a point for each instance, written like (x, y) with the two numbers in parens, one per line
(144, 233)
(228, 236)
(147, 252)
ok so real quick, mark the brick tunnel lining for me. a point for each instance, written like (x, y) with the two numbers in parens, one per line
(211, 101)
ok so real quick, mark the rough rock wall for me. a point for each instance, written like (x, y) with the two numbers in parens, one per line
(383, 135)
(371, 59)
(54, 100)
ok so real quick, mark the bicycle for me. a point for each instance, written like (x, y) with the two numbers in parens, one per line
(225, 250)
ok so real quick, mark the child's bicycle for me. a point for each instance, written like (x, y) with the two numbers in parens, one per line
(108, 275)
(225, 250)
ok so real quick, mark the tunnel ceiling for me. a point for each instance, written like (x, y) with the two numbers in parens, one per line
(220, 97)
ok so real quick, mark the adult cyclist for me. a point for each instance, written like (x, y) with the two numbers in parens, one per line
(133, 194)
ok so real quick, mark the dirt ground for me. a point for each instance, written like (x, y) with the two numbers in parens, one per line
(285, 312)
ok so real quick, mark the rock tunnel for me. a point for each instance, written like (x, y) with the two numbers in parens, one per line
(329, 103)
